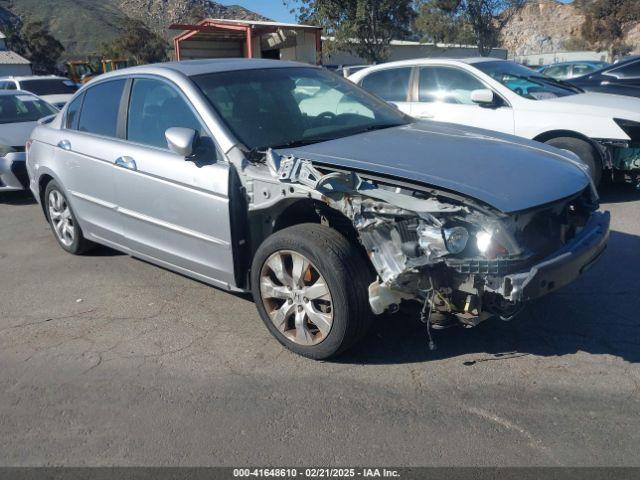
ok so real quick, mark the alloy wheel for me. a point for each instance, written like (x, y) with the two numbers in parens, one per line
(296, 297)
(61, 218)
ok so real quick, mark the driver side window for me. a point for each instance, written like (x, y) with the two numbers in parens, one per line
(154, 107)
(447, 85)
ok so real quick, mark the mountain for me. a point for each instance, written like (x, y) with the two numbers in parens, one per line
(82, 25)
(547, 26)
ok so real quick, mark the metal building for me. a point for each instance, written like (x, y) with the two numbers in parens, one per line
(220, 38)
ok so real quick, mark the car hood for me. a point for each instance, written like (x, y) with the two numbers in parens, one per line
(596, 104)
(16, 134)
(506, 172)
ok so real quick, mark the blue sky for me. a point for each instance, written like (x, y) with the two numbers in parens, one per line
(276, 9)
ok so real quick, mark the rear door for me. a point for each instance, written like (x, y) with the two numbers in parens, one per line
(391, 85)
(173, 210)
(443, 94)
(86, 162)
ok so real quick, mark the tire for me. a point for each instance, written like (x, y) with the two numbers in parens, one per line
(331, 258)
(585, 151)
(62, 220)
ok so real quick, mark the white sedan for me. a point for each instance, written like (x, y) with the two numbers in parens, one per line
(19, 115)
(602, 129)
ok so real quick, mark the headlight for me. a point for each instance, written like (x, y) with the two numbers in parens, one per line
(483, 241)
(455, 239)
(4, 149)
(631, 128)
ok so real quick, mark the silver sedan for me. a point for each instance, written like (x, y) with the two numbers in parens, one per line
(325, 202)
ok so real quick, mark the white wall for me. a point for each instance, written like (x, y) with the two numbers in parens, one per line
(411, 51)
(557, 57)
(15, 70)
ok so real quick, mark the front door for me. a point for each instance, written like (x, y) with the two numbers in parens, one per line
(174, 210)
(444, 95)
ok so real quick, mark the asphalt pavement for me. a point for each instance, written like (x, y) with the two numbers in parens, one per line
(107, 360)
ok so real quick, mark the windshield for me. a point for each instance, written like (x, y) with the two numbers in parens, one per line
(286, 107)
(525, 82)
(23, 108)
(49, 86)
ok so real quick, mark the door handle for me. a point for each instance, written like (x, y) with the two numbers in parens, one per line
(64, 144)
(126, 162)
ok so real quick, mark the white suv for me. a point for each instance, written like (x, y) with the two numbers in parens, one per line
(602, 129)
(55, 90)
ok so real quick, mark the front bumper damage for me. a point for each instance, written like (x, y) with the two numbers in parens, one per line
(406, 234)
(563, 267)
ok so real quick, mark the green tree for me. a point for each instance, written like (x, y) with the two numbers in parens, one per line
(34, 42)
(438, 21)
(362, 27)
(136, 43)
(606, 22)
(477, 21)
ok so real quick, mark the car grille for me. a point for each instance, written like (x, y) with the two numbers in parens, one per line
(482, 266)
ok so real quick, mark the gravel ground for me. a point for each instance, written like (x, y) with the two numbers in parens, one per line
(107, 360)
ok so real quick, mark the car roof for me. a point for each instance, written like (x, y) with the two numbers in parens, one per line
(34, 77)
(200, 67)
(575, 62)
(6, 93)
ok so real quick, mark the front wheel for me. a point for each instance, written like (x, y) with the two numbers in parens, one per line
(585, 151)
(310, 287)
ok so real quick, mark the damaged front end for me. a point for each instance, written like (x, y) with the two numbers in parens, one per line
(464, 260)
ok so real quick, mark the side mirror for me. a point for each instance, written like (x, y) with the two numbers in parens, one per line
(181, 140)
(483, 97)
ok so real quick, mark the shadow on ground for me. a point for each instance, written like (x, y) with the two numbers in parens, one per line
(17, 198)
(618, 193)
(597, 315)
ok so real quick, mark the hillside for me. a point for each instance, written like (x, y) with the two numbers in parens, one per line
(546, 26)
(82, 25)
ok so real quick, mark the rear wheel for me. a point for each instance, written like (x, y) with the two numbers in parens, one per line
(310, 287)
(63, 221)
(585, 151)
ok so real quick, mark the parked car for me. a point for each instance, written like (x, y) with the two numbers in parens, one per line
(621, 78)
(51, 88)
(218, 170)
(348, 70)
(568, 70)
(603, 130)
(19, 114)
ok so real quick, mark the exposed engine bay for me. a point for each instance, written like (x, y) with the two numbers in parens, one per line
(451, 253)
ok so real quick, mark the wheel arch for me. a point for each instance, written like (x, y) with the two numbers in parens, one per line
(304, 210)
(43, 181)
(546, 136)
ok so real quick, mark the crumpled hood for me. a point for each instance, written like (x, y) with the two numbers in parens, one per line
(16, 134)
(506, 172)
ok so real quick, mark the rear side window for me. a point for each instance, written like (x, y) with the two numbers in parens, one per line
(391, 84)
(73, 110)
(100, 109)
